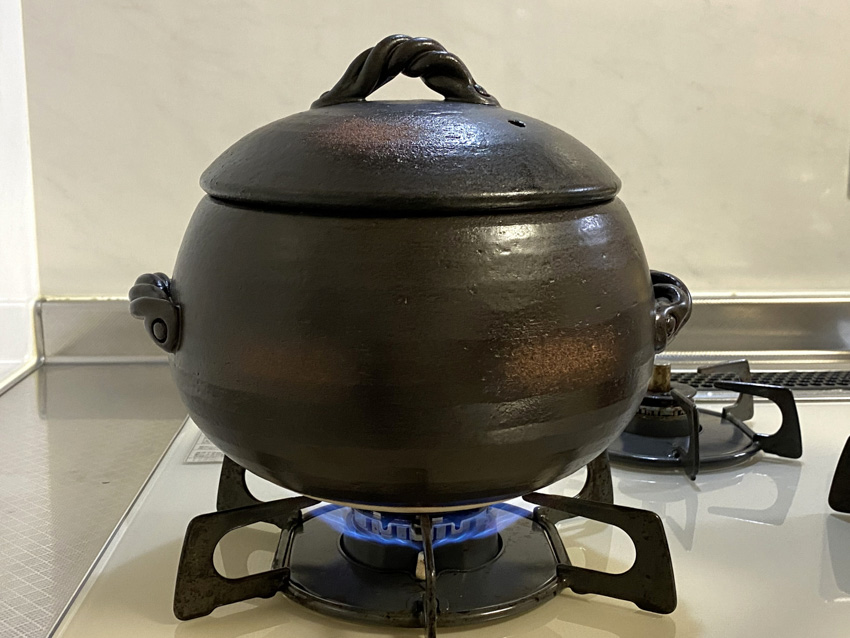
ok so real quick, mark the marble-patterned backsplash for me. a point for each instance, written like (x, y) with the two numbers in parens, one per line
(728, 122)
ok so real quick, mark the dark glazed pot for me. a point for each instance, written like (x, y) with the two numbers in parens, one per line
(411, 304)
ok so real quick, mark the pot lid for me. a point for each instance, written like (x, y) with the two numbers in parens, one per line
(390, 158)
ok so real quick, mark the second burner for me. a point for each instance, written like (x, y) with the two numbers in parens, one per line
(669, 430)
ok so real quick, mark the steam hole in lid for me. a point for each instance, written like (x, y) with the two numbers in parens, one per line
(518, 123)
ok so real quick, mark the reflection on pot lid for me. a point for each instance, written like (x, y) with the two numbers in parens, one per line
(355, 157)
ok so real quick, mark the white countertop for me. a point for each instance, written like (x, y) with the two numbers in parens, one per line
(756, 552)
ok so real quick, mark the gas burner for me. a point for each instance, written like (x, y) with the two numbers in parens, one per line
(421, 570)
(669, 429)
(462, 540)
(839, 493)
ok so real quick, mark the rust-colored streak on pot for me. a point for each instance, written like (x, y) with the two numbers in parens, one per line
(545, 365)
(399, 136)
(300, 364)
(368, 134)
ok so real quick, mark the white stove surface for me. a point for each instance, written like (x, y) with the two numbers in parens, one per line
(756, 552)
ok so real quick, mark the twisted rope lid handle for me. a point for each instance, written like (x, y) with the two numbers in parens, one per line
(414, 57)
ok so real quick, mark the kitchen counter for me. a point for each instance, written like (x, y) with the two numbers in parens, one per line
(756, 554)
(78, 443)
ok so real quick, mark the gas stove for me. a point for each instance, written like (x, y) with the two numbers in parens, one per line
(410, 570)
(761, 529)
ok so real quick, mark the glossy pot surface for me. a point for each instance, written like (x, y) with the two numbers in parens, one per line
(414, 360)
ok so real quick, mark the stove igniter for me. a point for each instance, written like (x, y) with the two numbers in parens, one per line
(669, 429)
(661, 413)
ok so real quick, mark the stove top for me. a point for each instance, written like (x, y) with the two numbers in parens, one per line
(420, 570)
(756, 549)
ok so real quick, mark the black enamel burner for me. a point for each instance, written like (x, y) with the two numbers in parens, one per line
(670, 430)
(421, 570)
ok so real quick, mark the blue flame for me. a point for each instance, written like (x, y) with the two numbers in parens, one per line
(394, 529)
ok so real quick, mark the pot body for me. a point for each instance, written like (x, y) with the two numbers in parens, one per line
(415, 362)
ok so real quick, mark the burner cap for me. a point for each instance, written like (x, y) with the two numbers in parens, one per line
(659, 415)
(462, 540)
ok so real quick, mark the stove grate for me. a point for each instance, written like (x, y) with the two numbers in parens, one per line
(434, 597)
(839, 493)
(795, 381)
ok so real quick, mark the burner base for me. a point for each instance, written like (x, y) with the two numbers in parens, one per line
(721, 443)
(324, 579)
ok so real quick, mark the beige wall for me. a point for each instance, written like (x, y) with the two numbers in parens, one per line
(18, 264)
(729, 122)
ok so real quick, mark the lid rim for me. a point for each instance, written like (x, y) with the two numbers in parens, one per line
(398, 203)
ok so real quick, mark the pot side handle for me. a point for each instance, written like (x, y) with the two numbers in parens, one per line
(414, 57)
(672, 307)
(151, 300)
